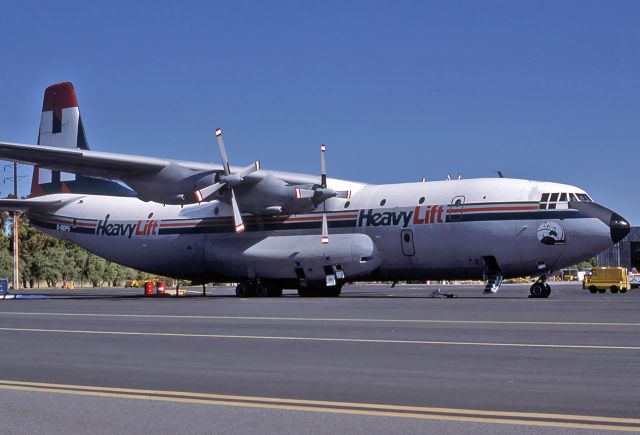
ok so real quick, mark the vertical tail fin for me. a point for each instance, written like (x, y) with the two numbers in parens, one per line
(60, 126)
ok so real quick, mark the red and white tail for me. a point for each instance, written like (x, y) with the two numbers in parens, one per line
(60, 126)
(60, 123)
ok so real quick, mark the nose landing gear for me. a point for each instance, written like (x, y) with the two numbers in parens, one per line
(540, 288)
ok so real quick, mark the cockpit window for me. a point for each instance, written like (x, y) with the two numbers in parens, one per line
(583, 197)
(554, 200)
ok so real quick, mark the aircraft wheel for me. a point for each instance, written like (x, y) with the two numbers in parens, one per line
(242, 290)
(311, 292)
(274, 292)
(304, 292)
(538, 290)
(547, 290)
(614, 289)
(333, 292)
(593, 289)
(260, 291)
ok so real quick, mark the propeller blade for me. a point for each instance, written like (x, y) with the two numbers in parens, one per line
(254, 167)
(223, 151)
(206, 192)
(325, 230)
(345, 194)
(304, 193)
(237, 218)
(323, 178)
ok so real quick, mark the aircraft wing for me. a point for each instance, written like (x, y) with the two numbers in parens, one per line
(51, 202)
(90, 163)
(115, 166)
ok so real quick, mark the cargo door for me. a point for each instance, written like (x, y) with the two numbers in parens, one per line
(406, 239)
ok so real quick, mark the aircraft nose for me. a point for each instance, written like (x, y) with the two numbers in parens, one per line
(619, 227)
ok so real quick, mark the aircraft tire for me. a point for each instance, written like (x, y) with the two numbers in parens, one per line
(242, 290)
(311, 292)
(333, 292)
(547, 291)
(304, 292)
(274, 292)
(538, 290)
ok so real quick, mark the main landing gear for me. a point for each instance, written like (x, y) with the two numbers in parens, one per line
(255, 288)
(320, 291)
(540, 288)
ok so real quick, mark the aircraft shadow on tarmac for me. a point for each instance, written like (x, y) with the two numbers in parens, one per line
(285, 296)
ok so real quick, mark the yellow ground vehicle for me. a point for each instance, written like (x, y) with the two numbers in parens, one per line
(133, 283)
(603, 278)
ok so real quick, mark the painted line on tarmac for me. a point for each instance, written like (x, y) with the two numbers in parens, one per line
(370, 409)
(323, 339)
(320, 319)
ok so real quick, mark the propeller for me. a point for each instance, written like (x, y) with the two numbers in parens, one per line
(325, 193)
(228, 180)
(323, 183)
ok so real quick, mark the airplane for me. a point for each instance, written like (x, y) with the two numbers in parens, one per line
(269, 230)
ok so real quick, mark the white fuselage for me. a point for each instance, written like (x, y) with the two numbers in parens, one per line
(429, 230)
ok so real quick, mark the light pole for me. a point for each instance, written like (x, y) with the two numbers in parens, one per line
(16, 243)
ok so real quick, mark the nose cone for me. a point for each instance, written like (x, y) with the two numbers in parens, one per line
(619, 227)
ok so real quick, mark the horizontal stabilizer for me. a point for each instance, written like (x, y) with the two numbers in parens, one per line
(40, 203)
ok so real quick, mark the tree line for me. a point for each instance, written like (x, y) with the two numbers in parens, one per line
(45, 260)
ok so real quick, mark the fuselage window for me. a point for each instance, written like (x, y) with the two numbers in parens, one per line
(545, 197)
(421, 200)
(563, 197)
(347, 204)
(554, 197)
(383, 202)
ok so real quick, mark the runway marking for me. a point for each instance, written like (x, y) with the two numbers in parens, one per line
(371, 409)
(321, 319)
(322, 339)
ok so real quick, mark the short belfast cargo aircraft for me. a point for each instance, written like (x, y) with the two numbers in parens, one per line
(270, 230)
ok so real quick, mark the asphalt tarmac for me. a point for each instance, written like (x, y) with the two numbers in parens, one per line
(375, 360)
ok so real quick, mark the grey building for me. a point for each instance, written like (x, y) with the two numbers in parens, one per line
(625, 253)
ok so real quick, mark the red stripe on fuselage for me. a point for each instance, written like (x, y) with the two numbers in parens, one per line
(504, 208)
(319, 218)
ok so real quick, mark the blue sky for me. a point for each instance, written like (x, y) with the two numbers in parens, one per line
(397, 90)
